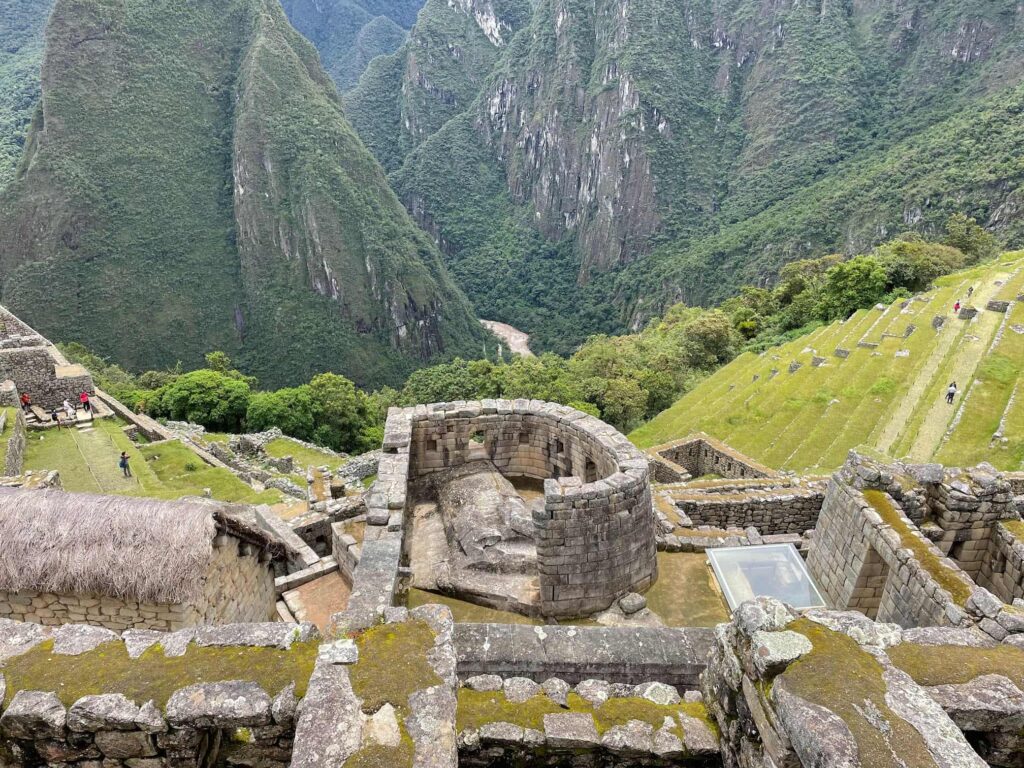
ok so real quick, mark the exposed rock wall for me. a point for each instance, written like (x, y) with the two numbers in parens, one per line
(701, 454)
(14, 461)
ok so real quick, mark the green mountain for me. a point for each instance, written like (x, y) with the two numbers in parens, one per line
(350, 33)
(620, 157)
(190, 183)
(878, 379)
(21, 53)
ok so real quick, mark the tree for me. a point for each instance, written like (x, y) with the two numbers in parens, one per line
(291, 410)
(973, 240)
(340, 411)
(853, 285)
(457, 380)
(708, 341)
(913, 263)
(215, 400)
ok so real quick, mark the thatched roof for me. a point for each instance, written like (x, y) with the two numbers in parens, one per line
(135, 549)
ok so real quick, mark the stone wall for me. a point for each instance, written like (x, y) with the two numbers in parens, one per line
(860, 561)
(575, 727)
(771, 512)
(699, 455)
(14, 461)
(238, 588)
(1002, 569)
(45, 375)
(413, 725)
(596, 536)
(626, 655)
(207, 724)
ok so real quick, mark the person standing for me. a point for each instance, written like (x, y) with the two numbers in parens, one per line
(55, 418)
(970, 292)
(956, 308)
(124, 465)
(26, 402)
(951, 393)
(69, 409)
(84, 400)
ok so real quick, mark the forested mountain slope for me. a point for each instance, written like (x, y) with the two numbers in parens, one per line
(190, 183)
(21, 53)
(623, 155)
(350, 33)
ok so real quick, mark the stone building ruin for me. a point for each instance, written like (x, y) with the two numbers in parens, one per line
(126, 563)
(29, 364)
(918, 662)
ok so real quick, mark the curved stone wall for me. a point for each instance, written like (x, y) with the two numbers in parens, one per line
(596, 535)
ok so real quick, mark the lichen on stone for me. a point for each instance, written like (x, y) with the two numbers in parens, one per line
(842, 677)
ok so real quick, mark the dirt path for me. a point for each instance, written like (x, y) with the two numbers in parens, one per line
(929, 437)
(517, 341)
(922, 381)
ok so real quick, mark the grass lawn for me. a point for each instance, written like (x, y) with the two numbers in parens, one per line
(304, 457)
(182, 473)
(88, 463)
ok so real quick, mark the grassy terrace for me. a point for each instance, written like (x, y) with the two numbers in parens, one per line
(889, 396)
(109, 669)
(88, 463)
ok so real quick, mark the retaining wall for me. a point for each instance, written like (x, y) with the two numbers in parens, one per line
(771, 512)
(617, 654)
(14, 461)
(216, 723)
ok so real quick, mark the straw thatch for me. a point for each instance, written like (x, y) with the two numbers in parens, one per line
(129, 548)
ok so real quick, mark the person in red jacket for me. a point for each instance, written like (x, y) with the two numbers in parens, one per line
(26, 402)
(84, 400)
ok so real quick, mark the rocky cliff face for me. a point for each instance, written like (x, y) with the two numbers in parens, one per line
(682, 148)
(192, 184)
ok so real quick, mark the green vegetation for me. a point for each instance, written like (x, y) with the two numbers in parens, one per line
(154, 676)
(21, 55)
(349, 33)
(468, 613)
(88, 463)
(686, 593)
(889, 396)
(844, 678)
(955, 665)
(182, 473)
(308, 263)
(833, 132)
(304, 456)
(392, 666)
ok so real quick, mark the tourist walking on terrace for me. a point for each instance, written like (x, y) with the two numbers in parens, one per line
(970, 292)
(951, 393)
(123, 464)
(55, 418)
(26, 402)
(84, 399)
(69, 409)
(956, 308)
